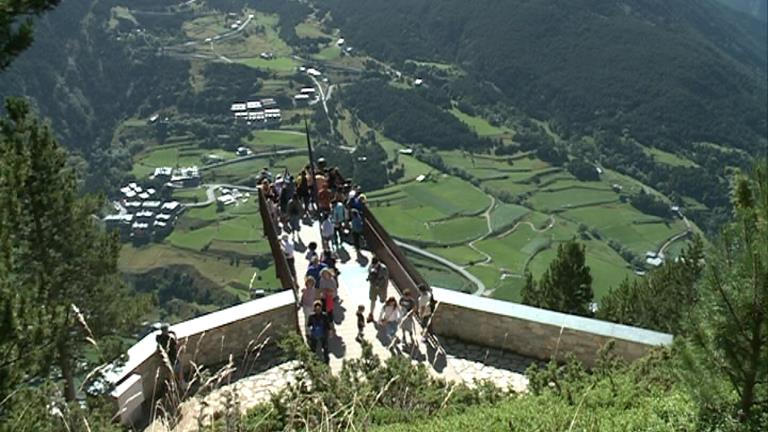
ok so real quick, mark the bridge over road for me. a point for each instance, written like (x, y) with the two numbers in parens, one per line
(472, 338)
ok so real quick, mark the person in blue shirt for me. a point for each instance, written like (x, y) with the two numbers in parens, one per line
(318, 327)
(314, 269)
(357, 229)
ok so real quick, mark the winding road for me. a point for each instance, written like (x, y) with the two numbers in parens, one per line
(472, 278)
(323, 98)
(210, 193)
(251, 156)
(676, 237)
(530, 224)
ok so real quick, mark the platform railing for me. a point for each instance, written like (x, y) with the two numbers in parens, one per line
(282, 269)
(401, 271)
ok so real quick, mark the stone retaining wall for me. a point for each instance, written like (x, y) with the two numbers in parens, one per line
(239, 332)
(534, 332)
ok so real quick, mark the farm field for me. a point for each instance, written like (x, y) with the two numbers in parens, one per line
(480, 125)
(269, 140)
(182, 153)
(668, 158)
(277, 64)
(629, 227)
(554, 207)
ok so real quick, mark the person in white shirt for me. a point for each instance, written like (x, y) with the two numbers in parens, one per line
(327, 231)
(287, 246)
(425, 309)
(390, 318)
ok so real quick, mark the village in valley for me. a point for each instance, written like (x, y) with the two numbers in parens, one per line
(473, 221)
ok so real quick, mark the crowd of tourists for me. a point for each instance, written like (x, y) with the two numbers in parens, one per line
(324, 195)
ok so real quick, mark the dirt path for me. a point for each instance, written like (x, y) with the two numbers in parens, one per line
(530, 224)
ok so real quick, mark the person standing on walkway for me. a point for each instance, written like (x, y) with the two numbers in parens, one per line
(328, 288)
(326, 231)
(295, 211)
(318, 327)
(287, 247)
(378, 279)
(308, 297)
(360, 323)
(168, 343)
(425, 309)
(302, 190)
(390, 317)
(407, 310)
(339, 215)
(311, 251)
(357, 229)
(314, 269)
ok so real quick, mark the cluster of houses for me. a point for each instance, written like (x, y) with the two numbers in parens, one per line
(654, 259)
(260, 113)
(345, 48)
(143, 214)
(230, 196)
(178, 177)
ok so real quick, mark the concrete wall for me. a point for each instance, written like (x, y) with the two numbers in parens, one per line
(536, 333)
(208, 341)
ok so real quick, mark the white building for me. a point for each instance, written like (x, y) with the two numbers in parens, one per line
(314, 72)
(226, 200)
(253, 105)
(307, 91)
(256, 116)
(268, 103)
(171, 207)
(238, 106)
(301, 99)
(162, 172)
(272, 114)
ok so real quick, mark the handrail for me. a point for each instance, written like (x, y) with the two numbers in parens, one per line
(402, 272)
(282, 270)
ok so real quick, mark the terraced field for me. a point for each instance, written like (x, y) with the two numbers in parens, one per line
(523, 237)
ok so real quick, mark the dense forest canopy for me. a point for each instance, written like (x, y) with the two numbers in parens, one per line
(680, 72)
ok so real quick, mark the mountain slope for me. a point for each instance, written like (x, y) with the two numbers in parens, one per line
(755, 8)
(672, 73)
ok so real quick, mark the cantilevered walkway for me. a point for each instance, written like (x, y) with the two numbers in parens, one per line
(451, 360)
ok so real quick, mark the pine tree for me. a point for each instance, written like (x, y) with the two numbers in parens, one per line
(530, 292)
(16, 26)
(566, 286)
(727, 346)
(61, 290)
(662, 300)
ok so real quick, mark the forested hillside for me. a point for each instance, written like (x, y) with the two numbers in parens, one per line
(756, 8)
(669, 73)
(85, 81)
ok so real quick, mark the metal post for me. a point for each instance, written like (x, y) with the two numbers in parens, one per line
(311, 165)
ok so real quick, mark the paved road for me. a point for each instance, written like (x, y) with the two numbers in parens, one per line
(252, 156)
(677, 237)
(210, 193)
(323, 99)
(458, 269)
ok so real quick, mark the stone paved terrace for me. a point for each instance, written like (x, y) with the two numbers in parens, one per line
(450, 359)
